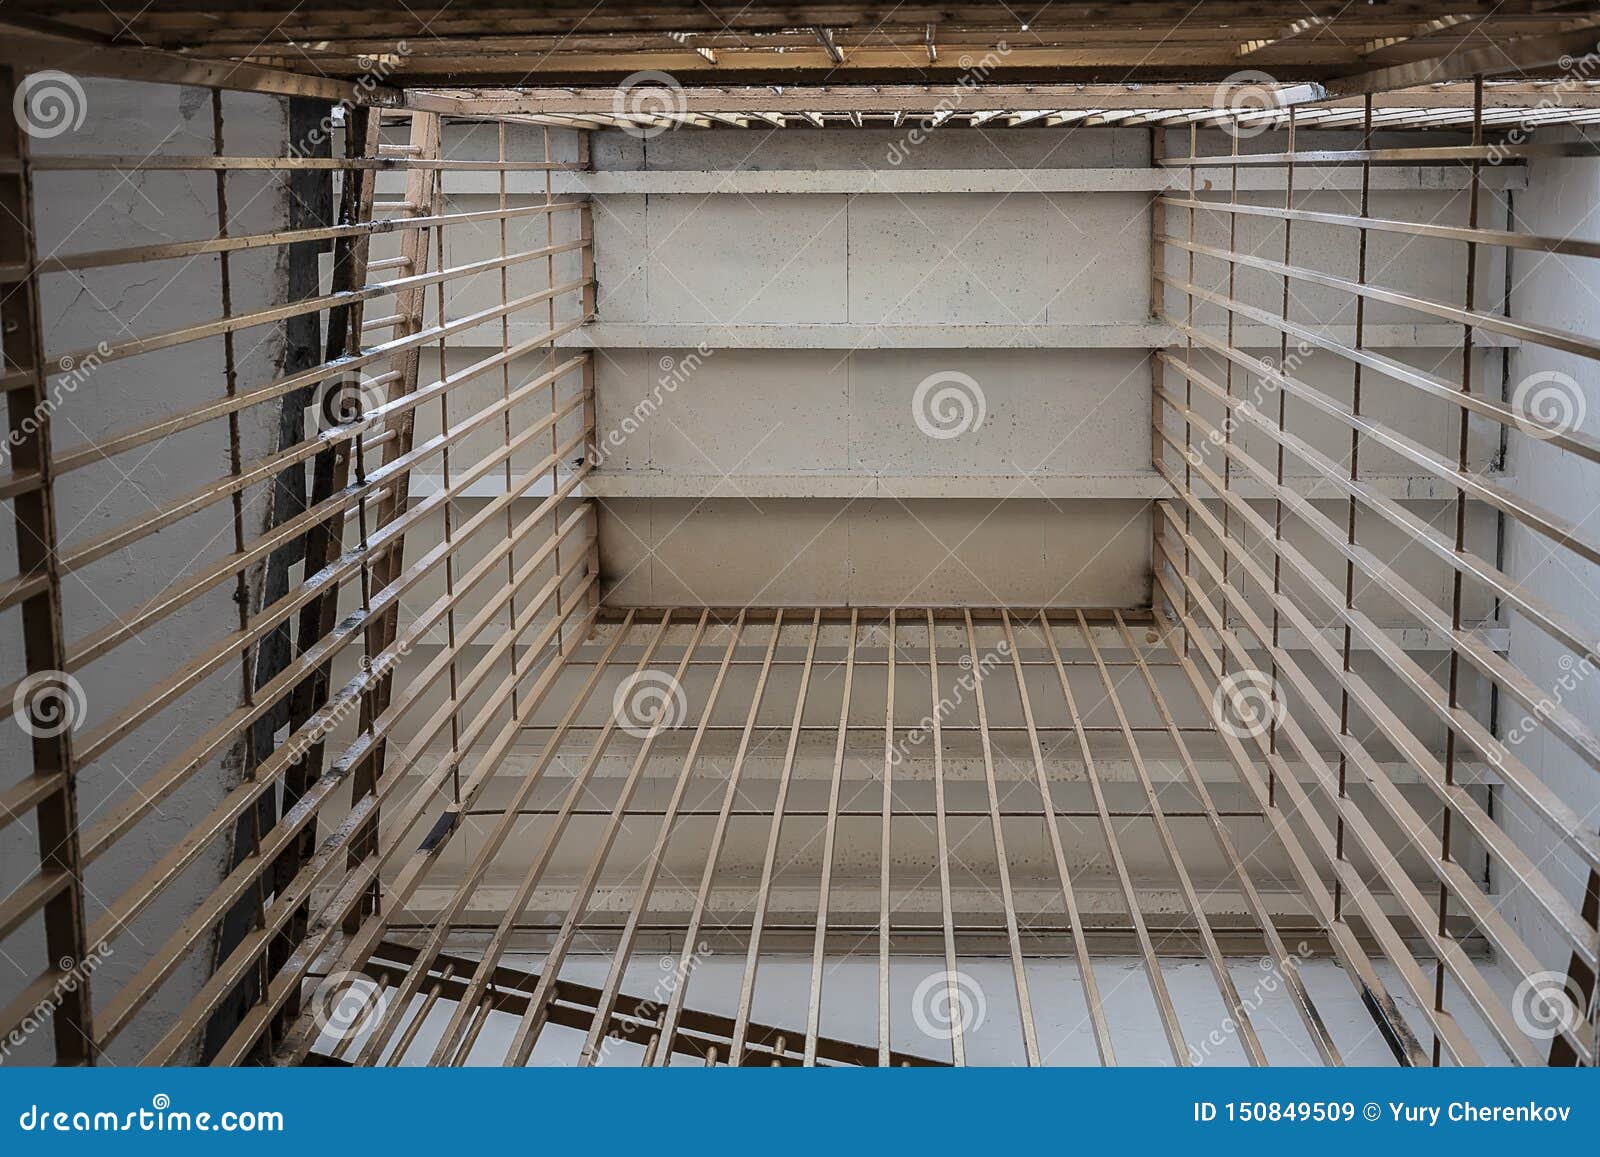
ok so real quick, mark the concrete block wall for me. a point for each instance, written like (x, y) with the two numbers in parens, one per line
(1561, 292)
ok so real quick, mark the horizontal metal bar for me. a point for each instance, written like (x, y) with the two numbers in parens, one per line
(1547, 336)
(138, 255)
(1441, 154)
(89, 162)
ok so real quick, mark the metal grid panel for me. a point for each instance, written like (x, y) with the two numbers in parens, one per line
(1244, 571)
(877, 786)
(317, 563)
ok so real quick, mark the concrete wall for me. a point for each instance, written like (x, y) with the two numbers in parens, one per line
(78, 212)
(1560, 292)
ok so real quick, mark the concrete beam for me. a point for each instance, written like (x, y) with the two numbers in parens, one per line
(1143, 485)
(1091, 335)
(907, 182)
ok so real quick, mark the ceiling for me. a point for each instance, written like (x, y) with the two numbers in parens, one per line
(1357, 47)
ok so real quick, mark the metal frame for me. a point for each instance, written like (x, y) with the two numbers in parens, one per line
(297, 737)
(383, 881)
(1222, 563)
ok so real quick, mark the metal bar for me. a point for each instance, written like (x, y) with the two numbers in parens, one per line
(533, 1020)
(830, 834)
(1053, 815)
(1019, 976)
(1219, 968)
(592, 1046)
(769, 862)
(48, 712)
(680, 982)
(1147, 950)
(956, 999)
(886, 841)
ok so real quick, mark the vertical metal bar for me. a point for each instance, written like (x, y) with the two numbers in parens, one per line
(1355, 472)
(1169, 845)
(28, 412)
(1464, 430)
(1346, 947)
(641, 901)
(1283, 418)
(1080, 943)
(505, 376)
(769, 862)
(410, 306)
(1288, 964)
(552, 749)
(953, 994)
(535, 1015)
(1030, 1036)
(669, 1019)
(830, 833)
(1156, 310)
(1158, 983)
(886, 824)
(1188, 358)
(537, 867)
(241, 597)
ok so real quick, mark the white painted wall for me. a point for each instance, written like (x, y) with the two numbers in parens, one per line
(1563, 292)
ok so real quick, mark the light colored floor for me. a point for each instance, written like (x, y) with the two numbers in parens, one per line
(992, 1031)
